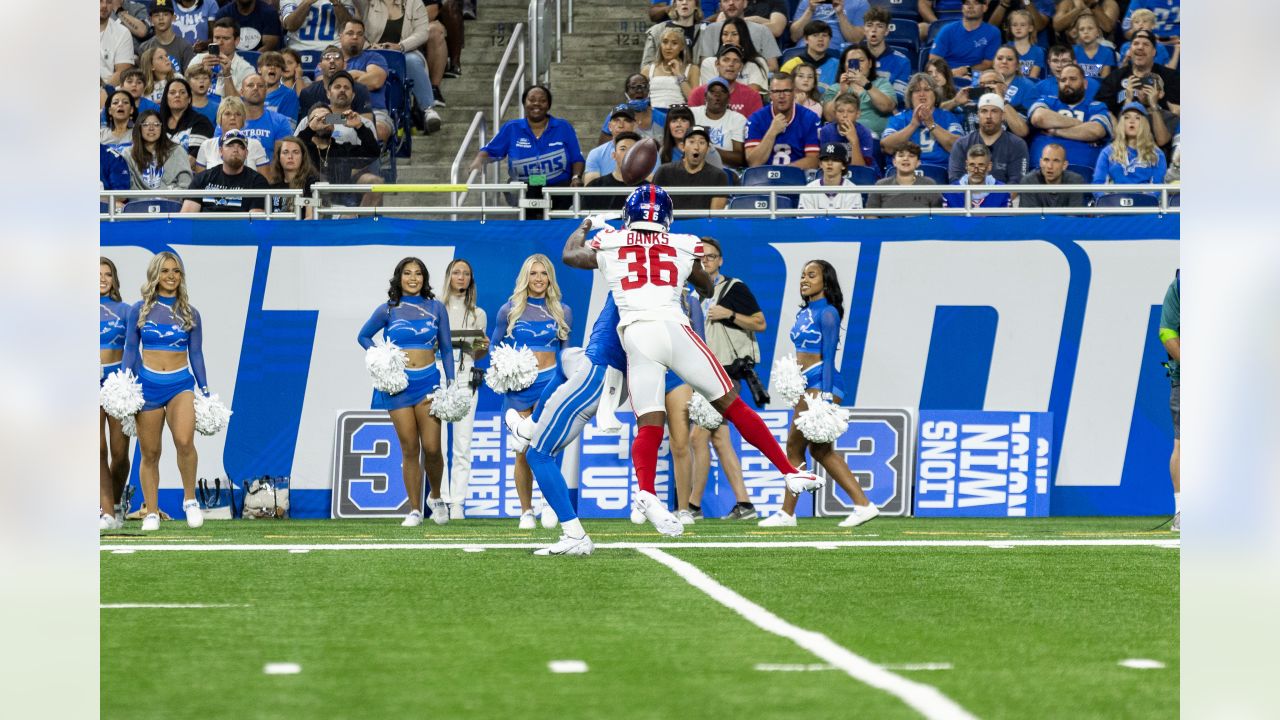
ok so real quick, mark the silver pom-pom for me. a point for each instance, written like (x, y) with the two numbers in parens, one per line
(703, 414)
(823, 422)
(211, 415)
(511, 370)
(788, 380)
(129, 425)
(386, 363)
(121, 394)
(451, 402)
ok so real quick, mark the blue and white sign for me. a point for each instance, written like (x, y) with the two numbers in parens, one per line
(984, 464)
(607, 476)
(879, 449)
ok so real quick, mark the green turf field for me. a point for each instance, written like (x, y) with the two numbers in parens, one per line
(1001, 619)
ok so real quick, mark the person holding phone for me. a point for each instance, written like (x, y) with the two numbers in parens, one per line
(340, 162)
(860, 77)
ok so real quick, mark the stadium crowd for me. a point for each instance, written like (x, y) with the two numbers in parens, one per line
(983, 92)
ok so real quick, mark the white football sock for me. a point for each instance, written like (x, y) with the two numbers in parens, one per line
(1177, 502)
(573, 528)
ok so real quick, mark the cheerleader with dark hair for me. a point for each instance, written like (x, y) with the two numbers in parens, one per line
(419, 325)
(816, 335)
(113, 452)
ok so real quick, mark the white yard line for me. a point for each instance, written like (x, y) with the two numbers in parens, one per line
(165, 606)
(820, 667)
(756, 545)
(925, 699)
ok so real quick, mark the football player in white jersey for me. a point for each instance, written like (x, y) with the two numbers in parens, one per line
(646, 266)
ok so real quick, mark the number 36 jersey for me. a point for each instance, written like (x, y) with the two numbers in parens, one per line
(646, 271)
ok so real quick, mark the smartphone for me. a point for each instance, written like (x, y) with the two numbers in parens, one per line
(853, 64)
(334, 119)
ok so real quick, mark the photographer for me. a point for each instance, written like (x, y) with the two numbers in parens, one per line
(732, 318)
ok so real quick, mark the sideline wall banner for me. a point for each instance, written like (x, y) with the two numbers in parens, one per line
(983, 464)
(1029, 314)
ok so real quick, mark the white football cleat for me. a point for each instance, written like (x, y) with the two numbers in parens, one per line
(569, 546)
(151, 522)
(107, 521)
(637, 515)
(860, 514)
(656, 513)
(413, 519)
(527, 521)
(457, 512)
(520, 429)
(548, 517)
(803, 481)
(195, 518)
(778, 519)
(685, 517)
(439, 510)
(1177, 523)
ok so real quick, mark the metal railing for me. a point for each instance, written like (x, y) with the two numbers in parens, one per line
(540, 55)
(457, 198)
(113, 213)
(484, 210)
(502, 100)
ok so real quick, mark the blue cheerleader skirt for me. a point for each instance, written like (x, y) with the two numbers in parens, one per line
(673, 382)
(522, 400)
(158, 388)
(105, 371)
(813, 379)
(422, 382)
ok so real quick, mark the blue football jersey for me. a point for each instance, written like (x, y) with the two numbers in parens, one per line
(1078, 151)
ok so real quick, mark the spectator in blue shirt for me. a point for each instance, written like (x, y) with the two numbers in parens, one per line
(1168, 21)
(1080, 126)
(1132, 158)
(969, 45)
(890, 62)
(370, 70)
(280, 97)
(1061, 56)
(934, 130)
(260, 123)
(537, 145)
(782, 132)
(844, 17)
(1096, 59)
(259, 24)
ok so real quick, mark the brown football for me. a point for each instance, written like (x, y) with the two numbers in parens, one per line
(639, 161)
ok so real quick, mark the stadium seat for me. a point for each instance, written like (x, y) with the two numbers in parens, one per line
(732, 175)
(102, 207)
(760, 202)
(938, 173)
(1175, 199)
(1127, 200)
(399, 104)
(904, 35)
(250, 56)
(154, 205)
(776, 175)
(310, 61)
(862, 175)
(1083, 171)
(900, 9)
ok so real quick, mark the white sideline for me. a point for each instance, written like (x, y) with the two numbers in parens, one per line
(924, 698)
(824, 545)
(165, 606)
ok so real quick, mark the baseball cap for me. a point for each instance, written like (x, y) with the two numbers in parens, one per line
(717, 80)
(1150, 36)
(1135, 107)
(990, 100)
(697, 130)
(622, 111)
(836, 151)
(233, 136)
(161, 6)
(730, 48)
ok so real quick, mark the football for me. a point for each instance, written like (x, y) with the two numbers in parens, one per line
(639, 161)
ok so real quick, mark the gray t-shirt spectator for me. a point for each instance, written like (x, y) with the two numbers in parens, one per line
(905, 200)
(179, 50)
(1009, 158)
(674, 174)
(1051, 200)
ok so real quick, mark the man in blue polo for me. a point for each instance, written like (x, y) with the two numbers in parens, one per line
(782, 132)
(967, 46)
(1080, 126)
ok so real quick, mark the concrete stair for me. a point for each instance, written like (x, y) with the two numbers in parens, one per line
(604, 48)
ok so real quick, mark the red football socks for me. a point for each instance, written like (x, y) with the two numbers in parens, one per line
(644, 453)
(754, 431)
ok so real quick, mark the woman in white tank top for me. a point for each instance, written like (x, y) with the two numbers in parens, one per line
(668, 80)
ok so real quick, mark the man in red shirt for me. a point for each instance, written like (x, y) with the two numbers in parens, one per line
(742, 97)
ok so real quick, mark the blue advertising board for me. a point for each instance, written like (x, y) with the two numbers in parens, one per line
(983, 464)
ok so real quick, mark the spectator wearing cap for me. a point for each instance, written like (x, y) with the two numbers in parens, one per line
(931, 128)
(753, 71)
(620, 144)
(600, 160)
(1144, 19)
(906, 160)
(679, 120)
(726, 127)
(743, 98)
(782, 133)
(333, 63)
(818, 54)
(761, 36)
(978, 174)
(833, 159)
(259, 24)
(967, 46)
(180, 52)
(231, 116)
(858, 142)
(649, 120)
(686, 16)
(1120, 86)
(221, 60)
(229, 173)
(280, 97)
(693, 170)
(1007, 151)
(842, 17)
(1132, 158)
(1053, 171)
(1080, 126)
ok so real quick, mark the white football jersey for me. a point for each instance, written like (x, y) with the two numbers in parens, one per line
(646, 271)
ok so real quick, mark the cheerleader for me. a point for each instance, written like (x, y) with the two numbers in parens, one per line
(466, 318)
(164, 348)
(417, 322)
(816, 334)
(534, 318)
(113, 452)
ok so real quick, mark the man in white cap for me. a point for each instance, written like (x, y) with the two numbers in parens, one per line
(1008, 151)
